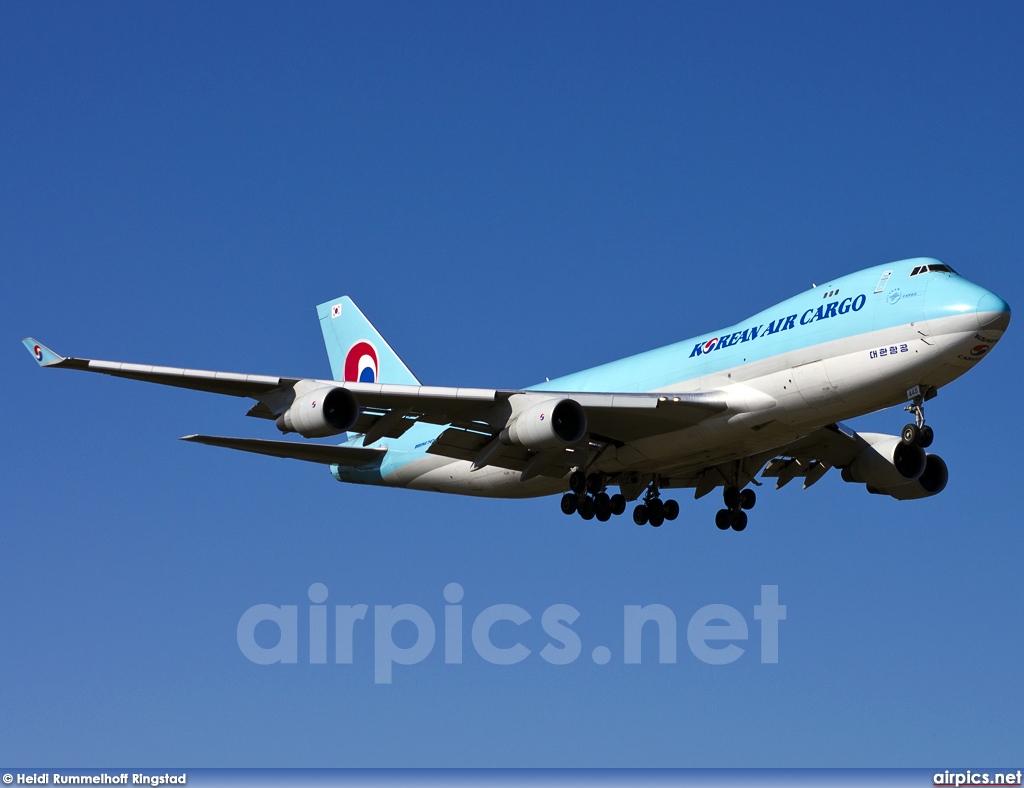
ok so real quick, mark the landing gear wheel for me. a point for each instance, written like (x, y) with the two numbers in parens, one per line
(577, 481)
(640, 515)
(603, 507)
(723, 519)
(656, 510)
(586, 507)
(657, 520)
(671, 510)
(732, 497)
(570, 502)
(911, 435)
(595, 483)
(747, 499)
(739, 520)
(603, 515)
(926, 437)
(618, 504)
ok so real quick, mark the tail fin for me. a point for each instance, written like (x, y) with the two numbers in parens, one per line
(357, 352)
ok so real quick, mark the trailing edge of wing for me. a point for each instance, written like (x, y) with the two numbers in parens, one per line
(309, 452)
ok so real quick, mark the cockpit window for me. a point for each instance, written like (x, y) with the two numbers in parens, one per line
(937, 268)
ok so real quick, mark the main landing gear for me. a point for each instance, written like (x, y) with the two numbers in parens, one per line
(653, 510)
(733, 515)
(589, 499)
(918, 433)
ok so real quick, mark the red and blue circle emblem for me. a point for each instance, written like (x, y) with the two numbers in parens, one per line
(361, 364)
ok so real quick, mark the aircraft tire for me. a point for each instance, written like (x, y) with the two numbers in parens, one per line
(926, 437)
(657, 520)
(739, 520)
(640, 515)
(586, 507)
(577, 481)
(911, 435)
(656, 508)
(747, 499)
(618, 504)
(723, 519)
(570, 502)
(731, 495)
(671, 510)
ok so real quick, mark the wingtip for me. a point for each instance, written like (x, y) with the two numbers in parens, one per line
(41, 353)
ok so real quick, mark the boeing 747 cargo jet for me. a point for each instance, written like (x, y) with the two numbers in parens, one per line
(762, 397)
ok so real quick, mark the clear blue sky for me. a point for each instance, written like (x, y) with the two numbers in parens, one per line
(510, 192)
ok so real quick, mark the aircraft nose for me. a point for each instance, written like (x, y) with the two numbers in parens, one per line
(993, 313)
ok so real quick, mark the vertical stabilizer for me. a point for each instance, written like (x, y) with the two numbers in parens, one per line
(358, 353)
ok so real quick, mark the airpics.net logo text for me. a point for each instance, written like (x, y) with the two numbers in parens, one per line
(715, 634)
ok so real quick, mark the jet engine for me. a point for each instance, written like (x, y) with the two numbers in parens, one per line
(931, 482)
(551, 424)
(320, 413)
(886, 462)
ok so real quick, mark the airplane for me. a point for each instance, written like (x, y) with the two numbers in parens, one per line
(764, 396)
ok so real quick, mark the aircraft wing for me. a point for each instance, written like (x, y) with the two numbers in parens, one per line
(231, 383)
(810, 457)
(474, 416)
(310, 452)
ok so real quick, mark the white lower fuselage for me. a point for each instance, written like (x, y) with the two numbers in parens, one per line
(777, 399)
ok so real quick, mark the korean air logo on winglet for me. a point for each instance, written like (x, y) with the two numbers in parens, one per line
(37, 351)
(361, 364)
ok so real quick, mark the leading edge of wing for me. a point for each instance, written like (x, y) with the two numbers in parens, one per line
(309, 452)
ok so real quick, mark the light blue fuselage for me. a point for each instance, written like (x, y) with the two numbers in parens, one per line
(927, 318)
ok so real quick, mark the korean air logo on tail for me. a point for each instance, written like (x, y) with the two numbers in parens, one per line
(37, 351)
(361, 365)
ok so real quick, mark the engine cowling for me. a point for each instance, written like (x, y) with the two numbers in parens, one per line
(888, 462)
(931, 482)
(321, 413)
(551, 424)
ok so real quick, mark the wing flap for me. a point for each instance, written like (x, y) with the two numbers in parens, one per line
(835, 444)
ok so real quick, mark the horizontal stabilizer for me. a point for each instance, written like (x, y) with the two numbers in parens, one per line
(309, 452)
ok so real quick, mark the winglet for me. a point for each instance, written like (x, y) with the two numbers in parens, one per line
(41, 353)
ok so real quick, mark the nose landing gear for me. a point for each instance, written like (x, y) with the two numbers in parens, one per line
(918, 433)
